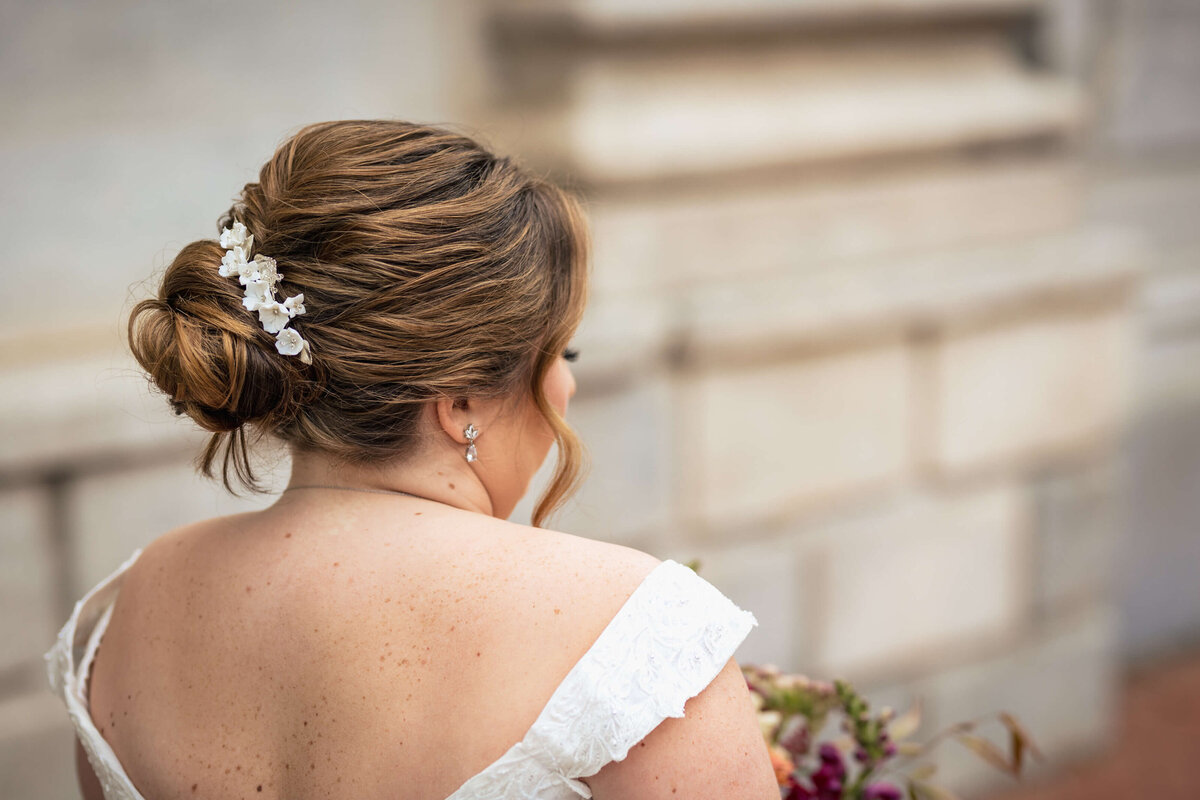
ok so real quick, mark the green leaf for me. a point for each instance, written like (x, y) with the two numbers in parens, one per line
(844, 743)
(922, 771)
(693, 565)
(1020, 741)
(907, 723)
(986, 750)
(1017, 745)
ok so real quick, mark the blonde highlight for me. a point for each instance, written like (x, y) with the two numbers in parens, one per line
(430, 268)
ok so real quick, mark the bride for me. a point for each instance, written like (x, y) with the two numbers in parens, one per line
(395, 303)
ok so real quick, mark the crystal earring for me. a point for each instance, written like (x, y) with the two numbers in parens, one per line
(471, 432)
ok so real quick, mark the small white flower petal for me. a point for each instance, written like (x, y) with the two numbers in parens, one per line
(273, 316)
(250, 271)
(257, 293)
(259, 277)
(295, 305)
(233, 262)
(289, 343)
(234, 237)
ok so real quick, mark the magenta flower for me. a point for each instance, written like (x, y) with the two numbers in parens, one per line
(882, 791)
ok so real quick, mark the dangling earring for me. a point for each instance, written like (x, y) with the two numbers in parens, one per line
(471, 432)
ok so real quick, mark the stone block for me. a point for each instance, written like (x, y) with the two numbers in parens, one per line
(801, 226)
(28, 591)
(1062, 687)
(1077, 518)
(926, 578)
(1159, 549)
(1154, 197)
(949, 289)
(1152, 100)
(621, 338)
(758, 441)
(627, 491)
(1167, 378)
(37, 748)
(1020, 390)
(676, 113)
(112, 514)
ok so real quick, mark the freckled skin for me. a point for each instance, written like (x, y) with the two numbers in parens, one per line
(476, 603)
(273, 639)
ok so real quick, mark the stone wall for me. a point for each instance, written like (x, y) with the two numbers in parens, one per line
(870, 329)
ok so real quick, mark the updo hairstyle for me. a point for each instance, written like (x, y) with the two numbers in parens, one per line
(430, 268)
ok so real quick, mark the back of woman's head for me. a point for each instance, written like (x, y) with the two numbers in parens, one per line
(429, 267)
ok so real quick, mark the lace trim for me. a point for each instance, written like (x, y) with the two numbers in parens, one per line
(666, 643)
(67, 665)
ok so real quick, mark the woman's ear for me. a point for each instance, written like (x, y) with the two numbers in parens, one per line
(452, 417)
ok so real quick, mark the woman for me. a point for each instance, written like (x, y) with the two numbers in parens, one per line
(395, 303)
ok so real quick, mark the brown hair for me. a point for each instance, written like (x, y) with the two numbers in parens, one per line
(430, 268)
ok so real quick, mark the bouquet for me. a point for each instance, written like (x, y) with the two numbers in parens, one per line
(793, 711)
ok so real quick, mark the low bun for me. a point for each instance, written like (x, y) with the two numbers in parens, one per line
(429, 268)
(212, 359)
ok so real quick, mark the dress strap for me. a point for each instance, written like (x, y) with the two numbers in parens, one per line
(67, 666)
(667, 642)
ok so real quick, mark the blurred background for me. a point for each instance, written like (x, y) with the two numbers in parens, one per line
(895, 321)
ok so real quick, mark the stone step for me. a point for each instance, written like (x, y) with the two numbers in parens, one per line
(945, 289)
(778, 315)
(758, 228)
(626, 15)
(614, 117)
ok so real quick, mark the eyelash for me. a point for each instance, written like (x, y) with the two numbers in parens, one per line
(571, 354)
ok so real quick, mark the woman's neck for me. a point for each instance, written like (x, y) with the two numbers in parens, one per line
(443, 477)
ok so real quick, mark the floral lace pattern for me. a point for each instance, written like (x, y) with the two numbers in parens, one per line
(67, 666)
(670, 639)
(666, 643)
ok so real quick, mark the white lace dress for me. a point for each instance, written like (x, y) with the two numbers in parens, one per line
(666, 643)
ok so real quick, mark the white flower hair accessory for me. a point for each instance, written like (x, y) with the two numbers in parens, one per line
(260, 277)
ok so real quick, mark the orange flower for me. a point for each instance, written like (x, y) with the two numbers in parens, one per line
(782, 763)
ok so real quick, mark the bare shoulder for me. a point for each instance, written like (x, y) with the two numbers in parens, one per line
(164, 558)
(716, 749)
(600, 575)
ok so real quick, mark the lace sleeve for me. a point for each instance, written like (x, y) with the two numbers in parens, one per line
(670, 639)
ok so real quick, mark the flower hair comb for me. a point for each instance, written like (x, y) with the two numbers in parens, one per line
(260, 278)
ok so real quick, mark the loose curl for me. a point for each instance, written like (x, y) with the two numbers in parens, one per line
(430, 268)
